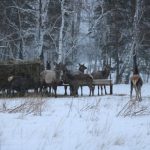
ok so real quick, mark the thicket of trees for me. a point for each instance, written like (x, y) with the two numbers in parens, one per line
(122, 30)
(94, 32)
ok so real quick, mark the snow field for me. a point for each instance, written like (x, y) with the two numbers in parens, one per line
(81, 123)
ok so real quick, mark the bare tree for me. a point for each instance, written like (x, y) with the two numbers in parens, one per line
(60, 49)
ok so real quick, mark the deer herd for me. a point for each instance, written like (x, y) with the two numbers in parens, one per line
(61, 75)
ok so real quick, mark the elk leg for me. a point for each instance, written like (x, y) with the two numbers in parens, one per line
(75, 91)
(101, 90)
(81, 90)
(105, 90)
(131, 89)
(65, 87)
(98, 89)
(50, 90)
(71, 90)
(43, 88)
(93, 88)
(137, 93)
(140, 97)
(55, 90)
(90, 91)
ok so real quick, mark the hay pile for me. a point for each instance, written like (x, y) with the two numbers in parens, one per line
(20, 68)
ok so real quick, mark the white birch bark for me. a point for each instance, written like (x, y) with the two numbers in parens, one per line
(137, 18)
(42, 30)
(60, 48)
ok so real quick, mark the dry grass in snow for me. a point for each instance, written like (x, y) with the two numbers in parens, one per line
(82, 123)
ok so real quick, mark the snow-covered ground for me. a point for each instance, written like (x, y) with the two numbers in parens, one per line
(81, 123)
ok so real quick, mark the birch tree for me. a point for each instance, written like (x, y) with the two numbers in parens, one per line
(136, 30)
(69, 30)
(42, 30)
(17, 25)
(60, 49)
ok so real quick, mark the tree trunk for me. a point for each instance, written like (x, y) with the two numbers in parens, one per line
(136, 32)
(43, 13)
(21, 44)
(60, 49)
(117, 68)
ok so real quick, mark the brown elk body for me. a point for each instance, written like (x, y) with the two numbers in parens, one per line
(102, 74)
(136, 84)
(76, 80)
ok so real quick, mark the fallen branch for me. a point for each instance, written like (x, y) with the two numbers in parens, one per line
(133, 108)
(18, 108)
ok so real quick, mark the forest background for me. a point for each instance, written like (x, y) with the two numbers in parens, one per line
(93, 32)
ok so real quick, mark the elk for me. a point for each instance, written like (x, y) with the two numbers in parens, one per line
(51, 78)
(79, 72)
(136, 83)
(76, 80)
(102, 74)
(21, 84)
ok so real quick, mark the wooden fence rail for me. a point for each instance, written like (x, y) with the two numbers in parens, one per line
(103, 82)
(96, 83)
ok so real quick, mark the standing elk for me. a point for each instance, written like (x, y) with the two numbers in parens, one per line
(136, 83)
(21, 84)
(51, 78)
(80, 71)
(76, 80)
(82, 68)
(103, 74)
